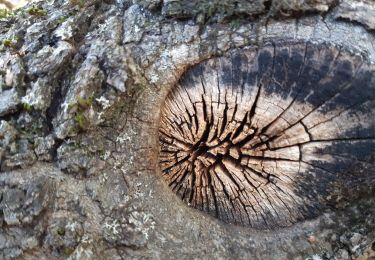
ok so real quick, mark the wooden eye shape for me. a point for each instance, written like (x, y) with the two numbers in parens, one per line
(258, 137)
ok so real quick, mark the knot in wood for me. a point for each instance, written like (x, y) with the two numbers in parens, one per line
(257, 137)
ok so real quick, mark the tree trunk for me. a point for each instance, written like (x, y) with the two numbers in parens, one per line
(259, 113)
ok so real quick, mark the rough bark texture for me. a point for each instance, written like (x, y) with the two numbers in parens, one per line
(83, 86)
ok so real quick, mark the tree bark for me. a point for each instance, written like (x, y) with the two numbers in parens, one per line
(264, 110)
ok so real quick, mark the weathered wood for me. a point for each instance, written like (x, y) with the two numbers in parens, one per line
(259, 136)
(82, 84)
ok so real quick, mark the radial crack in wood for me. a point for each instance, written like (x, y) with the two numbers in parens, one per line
(259, 136)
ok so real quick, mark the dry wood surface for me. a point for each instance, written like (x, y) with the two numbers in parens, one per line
(259, 136)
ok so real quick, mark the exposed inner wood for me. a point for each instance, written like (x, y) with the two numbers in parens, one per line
(258, 137)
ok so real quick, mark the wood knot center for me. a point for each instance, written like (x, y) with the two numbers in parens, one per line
(258, 137)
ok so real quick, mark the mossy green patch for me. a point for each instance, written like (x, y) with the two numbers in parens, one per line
(27, 107)
(10, 42)
(3, 13)
(81, 120)
(36, 11)
(79, 109)
(68, 251)
(61, 231)
(6, 14)
(85, 103)
(62, 19)
(7, 43)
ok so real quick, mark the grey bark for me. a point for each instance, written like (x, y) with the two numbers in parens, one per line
(82, 84)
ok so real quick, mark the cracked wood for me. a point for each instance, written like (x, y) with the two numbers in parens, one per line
(258, 137)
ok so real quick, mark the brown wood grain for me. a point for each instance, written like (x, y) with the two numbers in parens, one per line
(257, 137)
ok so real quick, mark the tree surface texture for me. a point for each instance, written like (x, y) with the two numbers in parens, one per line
(187, 129)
